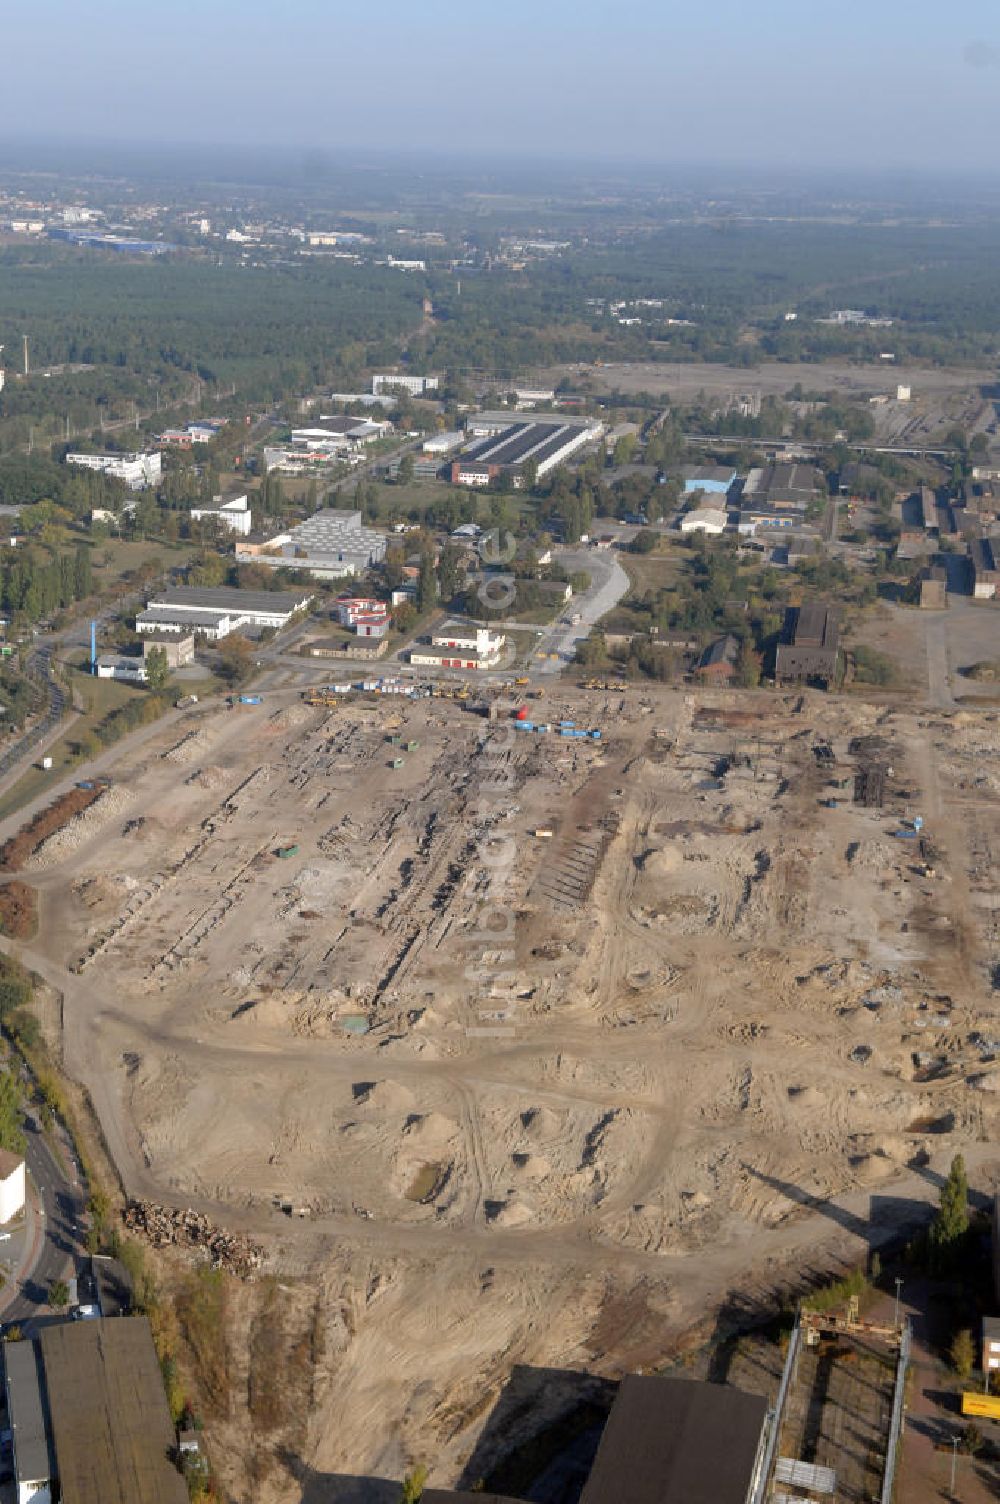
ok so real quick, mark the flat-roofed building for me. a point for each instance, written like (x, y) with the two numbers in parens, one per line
(456, 645)
(677, 1441)
(111, 1429)
(713, 479)
(810, 643)
(782, 485)
(27, 1407)
(230, 513)
(669, 1441)
(217, 612)
(704, 520)
(330, 544)
(128, 670)
(138, 471)
(179, 647)
(390, 382)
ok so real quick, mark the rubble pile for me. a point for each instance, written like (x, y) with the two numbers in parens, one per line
(166, 1227)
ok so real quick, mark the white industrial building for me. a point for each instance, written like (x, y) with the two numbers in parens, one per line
(329, 544)
(12, 1186)
(231, 513)
(442, 443)
(417, 386)
(215, 613)
(139, 471)
(457, 645)
(704, 520)
(337, 433)
(120, 666)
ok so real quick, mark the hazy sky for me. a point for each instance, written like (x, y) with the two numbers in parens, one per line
(864, 83)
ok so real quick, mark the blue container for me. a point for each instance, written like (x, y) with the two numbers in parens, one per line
(566, 731)
(525, 725)
(567, 723)
(595, 736)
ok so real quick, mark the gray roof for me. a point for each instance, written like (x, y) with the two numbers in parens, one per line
(155, 614)
(713, 474)
(28, 1411)
(110, 1423)
(240, 602)
(332, 533)
(676, 1439)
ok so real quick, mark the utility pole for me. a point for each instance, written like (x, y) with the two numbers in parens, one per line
(954, 1463)
(899, 1286)
(25, 338)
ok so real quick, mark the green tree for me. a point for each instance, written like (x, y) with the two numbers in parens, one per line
(951, 1224)
(58, 1294)
(450, 572)
(404, 474)
(962, 1353)
(11, 1115)
(234, 658)
(157, 668)
(427, 583)
(413, 1485)
(83, 583)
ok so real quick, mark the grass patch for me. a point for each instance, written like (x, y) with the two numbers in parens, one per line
(201, 1310)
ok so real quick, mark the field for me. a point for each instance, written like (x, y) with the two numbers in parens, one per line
(684, 381)
(491, 1098)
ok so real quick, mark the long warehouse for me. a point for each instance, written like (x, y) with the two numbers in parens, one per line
(547, 444)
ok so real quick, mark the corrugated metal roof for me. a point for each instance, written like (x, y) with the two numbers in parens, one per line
(110, 1423)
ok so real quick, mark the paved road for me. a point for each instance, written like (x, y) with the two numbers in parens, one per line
(608, 584)
(53, 1239)
(39, 667)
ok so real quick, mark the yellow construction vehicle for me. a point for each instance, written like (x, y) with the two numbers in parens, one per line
(520, 683)
(322, 698)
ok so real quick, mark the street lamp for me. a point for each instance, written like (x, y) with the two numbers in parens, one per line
(899, 1286)
(954, 1462)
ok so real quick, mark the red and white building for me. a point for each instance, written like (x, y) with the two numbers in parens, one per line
(454, 645)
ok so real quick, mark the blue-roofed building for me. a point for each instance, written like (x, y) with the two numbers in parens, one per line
(713, 479)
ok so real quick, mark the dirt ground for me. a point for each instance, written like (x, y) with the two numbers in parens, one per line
(683, 381)
(491, 1098)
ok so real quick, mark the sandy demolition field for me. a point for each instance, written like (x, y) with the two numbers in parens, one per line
(715, 1002)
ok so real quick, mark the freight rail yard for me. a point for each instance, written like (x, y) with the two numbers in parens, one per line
(464, 1023)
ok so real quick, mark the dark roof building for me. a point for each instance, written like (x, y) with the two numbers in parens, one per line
(544, 444)
(782, 485)
(668, 1441)
(111, 1428)
(718, 662)
(445, 1496)
(810, 642)
(675, 1441)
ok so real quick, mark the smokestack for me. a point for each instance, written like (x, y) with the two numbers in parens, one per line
(93, 647)
(25, 354)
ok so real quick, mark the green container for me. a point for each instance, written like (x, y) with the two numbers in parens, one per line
(397, 762)
(412, 746)
(287, 851)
